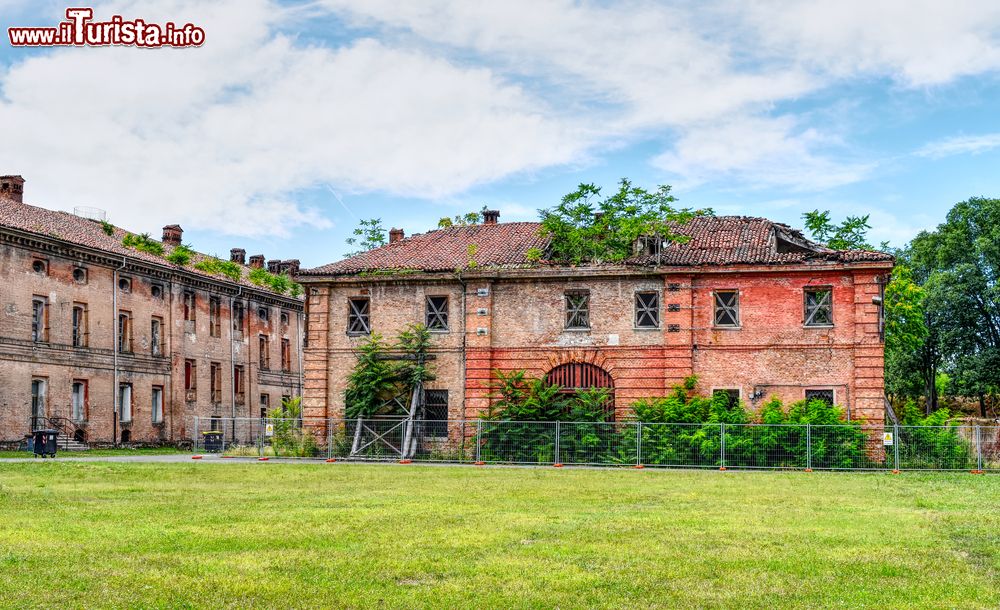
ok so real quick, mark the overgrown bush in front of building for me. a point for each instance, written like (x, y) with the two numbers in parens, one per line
(932, 441)
(290, 438)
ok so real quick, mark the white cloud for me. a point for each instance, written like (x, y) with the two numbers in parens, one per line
(959, 145)
(758, 151)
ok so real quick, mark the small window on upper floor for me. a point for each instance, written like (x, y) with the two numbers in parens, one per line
(577, 309)
(284, 318)
(40, 266)
(358, 320)
(79, 275)
(818, 306)
(156, 291)
(437, 313)
(727, 308)
(264, 314)
(125, 284)
(647, 310)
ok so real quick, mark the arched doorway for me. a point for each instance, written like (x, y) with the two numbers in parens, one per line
(575, 376)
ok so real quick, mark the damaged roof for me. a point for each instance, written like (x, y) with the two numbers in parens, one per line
(714, 240)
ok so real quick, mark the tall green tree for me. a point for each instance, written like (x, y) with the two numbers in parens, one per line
(368, 235)
(850, 234)
(589, 227)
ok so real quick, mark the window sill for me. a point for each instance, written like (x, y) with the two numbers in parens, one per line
(438, 331)
(576, 330)
(727, 328)
(359, 334)
(819, 326)
(646, 328)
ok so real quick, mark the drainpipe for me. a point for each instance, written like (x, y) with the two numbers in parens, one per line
(298, 332)
(114, 341)
(465, 314)
(232, 363)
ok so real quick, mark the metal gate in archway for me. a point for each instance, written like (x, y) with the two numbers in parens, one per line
(575, 376)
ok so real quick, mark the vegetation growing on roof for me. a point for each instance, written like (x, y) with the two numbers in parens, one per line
(180, 255)
(142, 243)
(217, 266)
(278, 282)
(368, 235)
(587, 227)
(107, 227)
(462, 220)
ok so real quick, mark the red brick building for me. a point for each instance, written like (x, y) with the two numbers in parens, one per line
(107, 343)
(748, 305)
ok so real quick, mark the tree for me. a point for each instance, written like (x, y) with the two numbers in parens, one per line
(368, 235)
(588, 228)
(462, 220)
(850, 234)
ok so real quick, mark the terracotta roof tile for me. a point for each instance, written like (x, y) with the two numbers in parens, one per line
(715, 240)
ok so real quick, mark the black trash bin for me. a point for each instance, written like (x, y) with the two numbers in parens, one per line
(213, 441)
(44, 442)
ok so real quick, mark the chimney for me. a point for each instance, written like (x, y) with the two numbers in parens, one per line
(395, 235)
(272, 265)
(284, 267)
(257, 261)
(172, 235)
(12, 187)
(293, 266)
(238, 255)
(490, 217)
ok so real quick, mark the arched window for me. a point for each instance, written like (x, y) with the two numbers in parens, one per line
(576, 376)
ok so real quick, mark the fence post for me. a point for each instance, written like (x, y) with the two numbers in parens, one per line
(979, 450)
(638, 444)
(329, 439)
(194, 441)
(479, 437)
(722, 446)
(809, 451)
(556, 463)
(896, 440)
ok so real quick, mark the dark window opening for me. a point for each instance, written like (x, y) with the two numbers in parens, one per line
(125, 284)
(824, 395)
(214, 317)
(80, 275)
(437, 313)
(731, 395)
(80, 334)
(39, 319)
(819, 307)
(577, 309)
(358, 322)
(647, 310)
(436, 413)
(727, 308)
(264, 357)
(40, 266)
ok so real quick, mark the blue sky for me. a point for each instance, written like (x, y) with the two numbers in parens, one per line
(296, 119)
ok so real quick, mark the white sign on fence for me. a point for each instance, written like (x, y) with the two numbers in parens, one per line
(269, 430)
(887, 438)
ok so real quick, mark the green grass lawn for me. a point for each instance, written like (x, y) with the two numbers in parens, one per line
(97, 453)
(347, 536)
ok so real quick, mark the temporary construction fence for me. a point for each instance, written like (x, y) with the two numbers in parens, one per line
(626, 443)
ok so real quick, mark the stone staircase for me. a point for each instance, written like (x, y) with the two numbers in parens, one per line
(66, 443)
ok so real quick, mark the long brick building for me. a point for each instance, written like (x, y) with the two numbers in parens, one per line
(111, 344)
(748, 305)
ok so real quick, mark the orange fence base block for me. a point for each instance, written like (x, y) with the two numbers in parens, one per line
(722, 467)
(480, 463)
(196, 457)
(978, 471)
(808, 470)
(330, 461)
(557, 465)
(262, 459)
(405, 461)
(638, 467)
(895, 472)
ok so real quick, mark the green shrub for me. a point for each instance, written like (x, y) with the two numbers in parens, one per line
(217, 266)
(280, 283)
(143, 243)
(932, 441)
(107, 227)
(180, 255)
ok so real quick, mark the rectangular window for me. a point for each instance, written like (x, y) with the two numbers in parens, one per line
(39, 392)
(824, 395)
(647, 310)
(215, 381)
(156, 336)
(238, 321)
(577, 309)
(265, 404)
(190, 380)
(125, 332)
(157, 400)
(78, 400)
(39, 319)
(732, 396)
(436, 413)
(214, 317)
(286, 355)
(125, 403)
(358, 322)
(437, 313)
(727, 308)
(80, 334)
(238, 384)
(189, 305)
(264, 350)
(819, 307)
(216, 423)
